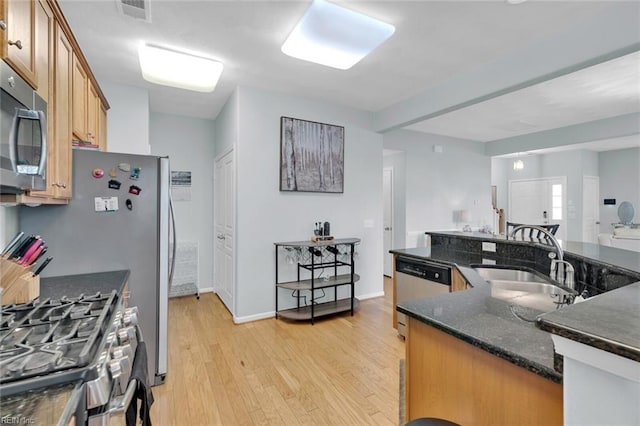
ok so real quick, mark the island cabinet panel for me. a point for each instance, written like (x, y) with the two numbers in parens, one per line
(450, 379)
(458, 282)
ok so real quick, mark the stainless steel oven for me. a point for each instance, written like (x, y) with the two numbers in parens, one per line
(416, 279)
(23, 135)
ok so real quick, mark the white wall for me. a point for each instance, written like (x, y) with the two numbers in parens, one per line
(127, 119)
(619, 179)
(189, 143)
(437, 184)
(265, 215)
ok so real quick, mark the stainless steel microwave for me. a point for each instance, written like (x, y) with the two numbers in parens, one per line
(23, 135)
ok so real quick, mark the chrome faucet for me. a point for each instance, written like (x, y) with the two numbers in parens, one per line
(561, 270)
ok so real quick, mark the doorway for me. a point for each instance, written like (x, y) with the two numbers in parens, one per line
(224, 228)
(387, 219)
(539, 202)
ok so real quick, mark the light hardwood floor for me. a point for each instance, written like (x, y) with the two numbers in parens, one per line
(341, 371)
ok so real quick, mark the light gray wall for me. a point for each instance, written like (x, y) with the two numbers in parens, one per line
(265, 215)
(189, 143)
(397, 162)
(127, 119)
(227, 125)
(437, 184)
(619, 179)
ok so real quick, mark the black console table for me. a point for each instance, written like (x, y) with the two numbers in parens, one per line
(336, 256)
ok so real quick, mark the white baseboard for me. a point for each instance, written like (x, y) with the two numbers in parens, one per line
(206, 290)
(256, 317)
(371, 295)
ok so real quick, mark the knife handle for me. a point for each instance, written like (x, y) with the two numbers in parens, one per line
(21, 247)
(12, 243)
(29, 252)
(41, 267)
(34, 255)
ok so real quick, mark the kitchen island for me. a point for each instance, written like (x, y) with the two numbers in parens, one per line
(469, 343)
(59, 403)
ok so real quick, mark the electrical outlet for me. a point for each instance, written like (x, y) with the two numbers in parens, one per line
(486, 246)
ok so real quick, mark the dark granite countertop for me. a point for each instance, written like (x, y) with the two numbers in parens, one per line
(477, 318)
(613, 256)
(87, 284)
(610, 321)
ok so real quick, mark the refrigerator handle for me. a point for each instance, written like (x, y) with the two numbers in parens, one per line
(173, 249)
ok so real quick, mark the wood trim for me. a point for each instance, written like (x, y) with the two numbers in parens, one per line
(458, 282)
(62, 21)
(393, 287)
(30, 199)
(454, 380)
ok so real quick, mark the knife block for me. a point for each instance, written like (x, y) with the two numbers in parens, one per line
(18, 284)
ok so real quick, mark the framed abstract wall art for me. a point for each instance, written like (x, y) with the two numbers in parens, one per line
(311, 156)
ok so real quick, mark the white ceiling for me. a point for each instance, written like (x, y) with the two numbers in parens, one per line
(605, 90)
(434, 40)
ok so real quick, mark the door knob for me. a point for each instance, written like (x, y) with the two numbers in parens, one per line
(387, 228)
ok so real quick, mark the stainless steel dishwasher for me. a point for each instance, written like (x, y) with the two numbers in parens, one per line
(416, 279)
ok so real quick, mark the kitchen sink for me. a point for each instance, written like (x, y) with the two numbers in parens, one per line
(525, 288)
(501, 274)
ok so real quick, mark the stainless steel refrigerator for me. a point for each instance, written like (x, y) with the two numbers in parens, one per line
(119, 218)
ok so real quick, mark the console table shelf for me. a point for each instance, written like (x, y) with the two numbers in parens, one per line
(320, 310)
(335, 256)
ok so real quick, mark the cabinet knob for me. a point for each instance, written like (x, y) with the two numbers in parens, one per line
(16, 43)
(3, 25)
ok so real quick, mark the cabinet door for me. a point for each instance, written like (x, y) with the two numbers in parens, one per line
(44, 48)
(79, 100)
(93, 112)
(62, 102)
(102, 127)
(45, 74)
(20, 37)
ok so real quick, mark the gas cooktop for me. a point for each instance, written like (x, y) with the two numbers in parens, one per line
(48, 342)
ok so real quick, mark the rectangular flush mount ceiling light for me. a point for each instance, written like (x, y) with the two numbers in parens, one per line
(177, 69)
(334, 36)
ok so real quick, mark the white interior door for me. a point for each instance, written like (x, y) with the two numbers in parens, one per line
(590, 209)
(224, 218)
(387, 220)
(539, 202)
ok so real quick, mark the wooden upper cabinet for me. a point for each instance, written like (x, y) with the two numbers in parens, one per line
(80, 100)
(93, 113)
(64, 66)
(44, 49)
(45, 74)
(102, 127)
(19, 38)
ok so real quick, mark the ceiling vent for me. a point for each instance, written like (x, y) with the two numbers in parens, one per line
(137, 9)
